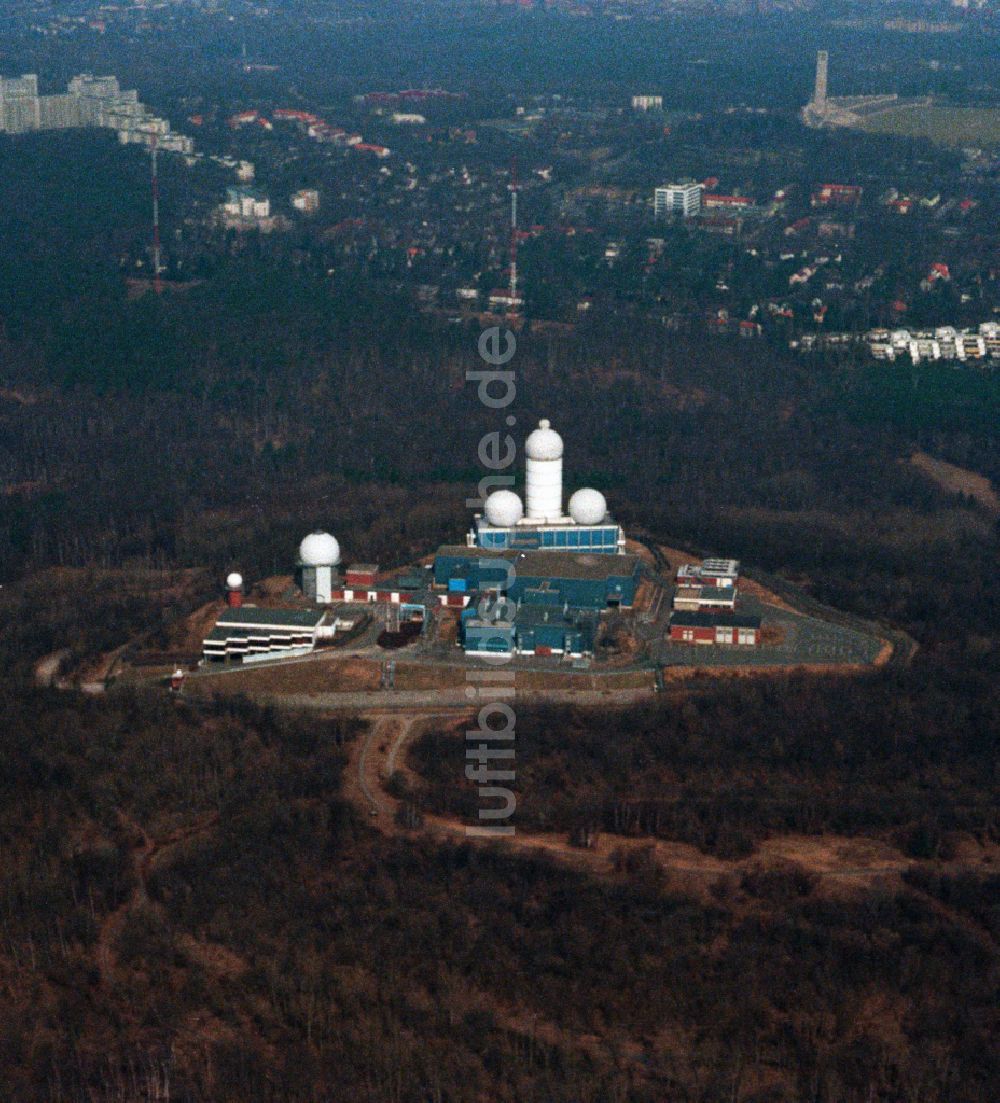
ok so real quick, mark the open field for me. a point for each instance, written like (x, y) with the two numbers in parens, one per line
(951, 126)
(321, 673)
(957, 480)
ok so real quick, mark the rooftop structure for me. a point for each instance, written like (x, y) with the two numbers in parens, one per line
(574, 579)
(709, 572)
(319, 554)
(539, 523)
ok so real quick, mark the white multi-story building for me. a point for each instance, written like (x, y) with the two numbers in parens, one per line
(682, 199)
(246, 204)
(647, 103)
(19, 108)
(88, 101)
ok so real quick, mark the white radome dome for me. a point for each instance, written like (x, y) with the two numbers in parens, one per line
(503, 508)
(544, 443)
(588, 506)
(319, 549)
(234, 581)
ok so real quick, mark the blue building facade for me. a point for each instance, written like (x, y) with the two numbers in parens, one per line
(502, 629)
(606, 538)
(563, 579)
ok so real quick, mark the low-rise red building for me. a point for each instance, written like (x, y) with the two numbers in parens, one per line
(726, 629)
(360, 575)
(727, 202)
(837, 194)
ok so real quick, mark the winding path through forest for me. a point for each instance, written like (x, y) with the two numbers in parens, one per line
(143, 855)
(381, 752)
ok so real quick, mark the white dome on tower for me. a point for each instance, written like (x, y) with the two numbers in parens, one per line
(234, 581)
(544, 443)
(503, 508)
(319, 549)
(588, 506)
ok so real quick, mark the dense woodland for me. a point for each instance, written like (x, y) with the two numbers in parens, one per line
(185, 895)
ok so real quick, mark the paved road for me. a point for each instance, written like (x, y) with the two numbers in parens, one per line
(452, 699)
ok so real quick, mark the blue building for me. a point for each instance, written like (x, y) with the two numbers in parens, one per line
(492, 627)
(576, 580)
(606, 537)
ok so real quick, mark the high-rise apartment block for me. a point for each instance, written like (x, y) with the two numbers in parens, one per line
(682, 199)
(88, 101)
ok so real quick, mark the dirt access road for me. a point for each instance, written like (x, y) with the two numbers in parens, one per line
(840, 863)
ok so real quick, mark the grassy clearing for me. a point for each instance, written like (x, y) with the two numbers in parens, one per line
(951, 126)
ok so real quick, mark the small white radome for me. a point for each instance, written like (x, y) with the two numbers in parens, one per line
(503, 508)
(544, 443)
(588, 506)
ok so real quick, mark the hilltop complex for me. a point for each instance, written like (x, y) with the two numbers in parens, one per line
(539, 579)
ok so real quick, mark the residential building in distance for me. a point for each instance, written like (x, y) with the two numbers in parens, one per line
(88, 101)
(727, 202)
(306, 200)
(19, 107)
(683, 199)
(246, 208)
(647, 103)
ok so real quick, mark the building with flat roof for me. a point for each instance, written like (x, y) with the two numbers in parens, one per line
(247, 630)
(705, 598)
(726, 628)
(88, 101)
(490, 627)
(542, 520)
(682, 199)
(579, 580)
(709, 572)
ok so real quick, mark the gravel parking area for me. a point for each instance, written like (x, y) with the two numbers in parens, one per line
(806, 640)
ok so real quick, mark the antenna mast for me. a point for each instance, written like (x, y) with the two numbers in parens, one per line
(513, 235)
(157, 268)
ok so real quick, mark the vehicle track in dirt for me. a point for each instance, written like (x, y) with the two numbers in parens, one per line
(142, 857)
(836, 861)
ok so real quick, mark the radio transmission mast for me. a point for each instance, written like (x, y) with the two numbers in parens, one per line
(513, 235)
(155, 181)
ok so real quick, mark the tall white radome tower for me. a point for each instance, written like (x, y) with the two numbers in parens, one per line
(319, 554)
(543, 474)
